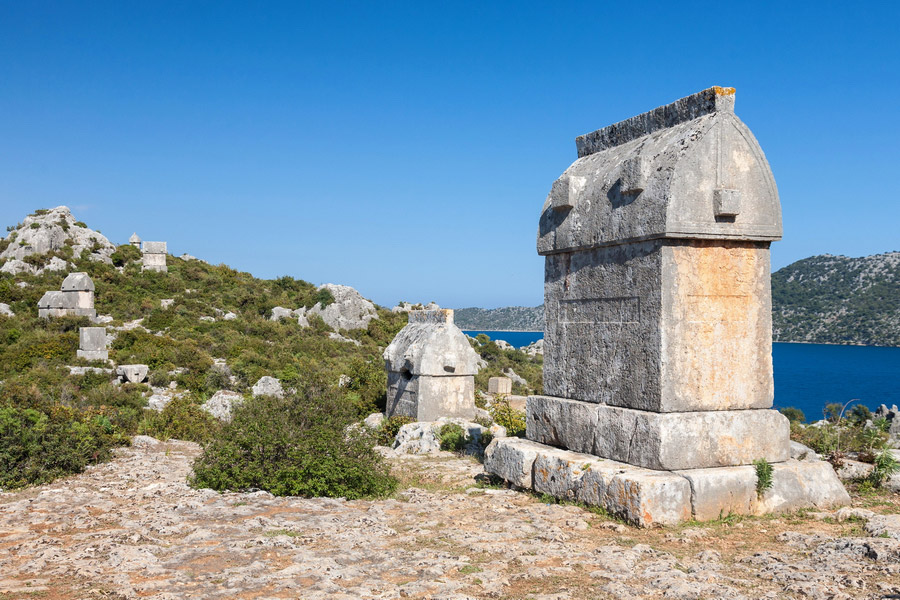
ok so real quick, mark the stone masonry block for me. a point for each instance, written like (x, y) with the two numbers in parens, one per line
(722, 491)
(646, 498)
(802, 484)
(512, 459)
(92, 338)
(499, 385)
(667, 441)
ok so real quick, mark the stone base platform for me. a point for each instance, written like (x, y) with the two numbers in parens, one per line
(646, 497)
(663, 441)
(93, 354)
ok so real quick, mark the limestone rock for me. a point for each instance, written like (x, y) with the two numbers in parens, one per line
(15, 266)
(340, 338)
(166, 302)
(222, 403)
(514, 376)
(534, 348)
(54, 229)
(132, 373)
(5, 310)
(374, 420)
(417, 438)
(268, 386)
(801, 452)
(504, 345)
(348, 311)
(279, 312)
(854, 469)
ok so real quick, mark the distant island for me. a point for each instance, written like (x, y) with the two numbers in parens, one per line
(822, 299)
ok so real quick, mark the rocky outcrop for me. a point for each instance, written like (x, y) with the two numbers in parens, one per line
(222, 403)
(268, 386)
(348, 311)
(6, 311)
(52, 230)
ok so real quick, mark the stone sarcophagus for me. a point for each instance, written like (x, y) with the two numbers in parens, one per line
(431, 369)
(153, 255)
(658, 332)
(76, 297)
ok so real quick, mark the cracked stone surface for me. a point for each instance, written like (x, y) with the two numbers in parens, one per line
(133, 528)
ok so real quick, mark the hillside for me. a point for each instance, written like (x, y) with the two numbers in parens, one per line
(838, 300)
(511, 318)
(822, 299)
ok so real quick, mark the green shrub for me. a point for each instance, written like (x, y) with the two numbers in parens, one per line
(885, 466)
(503, 414)
(859, 414)
(323, 298)
(387, 433)
(37, 446)
(832, 411)
(124, 254)
(793, 414)
(763, 476)
(452, 437)
(181, 419)
(300, 445)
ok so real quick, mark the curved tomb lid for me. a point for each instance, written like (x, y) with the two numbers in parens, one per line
(134, 238)
(431, 345)
(77, 282)
(690, 169)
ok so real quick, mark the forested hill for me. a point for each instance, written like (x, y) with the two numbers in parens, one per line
(513, 318)
(838, 300)
(822, 299)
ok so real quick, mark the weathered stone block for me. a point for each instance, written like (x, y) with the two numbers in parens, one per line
(512, 459)
(500, 385)
(668, 441)
(92, 343)
(132, 373)
(646, 498)
(722, 491)
(802, 484)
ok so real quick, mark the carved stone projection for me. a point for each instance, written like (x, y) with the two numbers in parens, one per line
(431, 369)
(658, 334)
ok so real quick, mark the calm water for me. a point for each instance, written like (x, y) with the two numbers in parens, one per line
(808, 376)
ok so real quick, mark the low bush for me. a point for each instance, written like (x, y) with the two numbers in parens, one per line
(387, 433)
(181, 419)
(763, 476)
(299, 445)
(37, 446)
(503, 414)
(793, 414)
(452, 437)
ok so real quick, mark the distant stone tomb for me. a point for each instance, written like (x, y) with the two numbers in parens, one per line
(658, 334)
(135, 240)
(154, 257)
(76, 297)
(92, 343)
(431, 369)
(499, 385)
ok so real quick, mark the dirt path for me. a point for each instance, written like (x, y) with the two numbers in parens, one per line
(132, 528)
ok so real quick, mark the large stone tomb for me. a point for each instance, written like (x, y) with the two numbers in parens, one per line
(153, 256)
(658, 332)
(76, 297)
(431, 369)
(92, 343)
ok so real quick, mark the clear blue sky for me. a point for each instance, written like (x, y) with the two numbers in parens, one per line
(406, 148)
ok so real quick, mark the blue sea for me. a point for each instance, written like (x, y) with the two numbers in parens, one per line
(808, 376)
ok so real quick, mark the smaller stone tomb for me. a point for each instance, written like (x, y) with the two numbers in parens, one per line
(154, 257)
(500, 385)
(76, 297)
(135, 240)
(431, 369)
(92, 343)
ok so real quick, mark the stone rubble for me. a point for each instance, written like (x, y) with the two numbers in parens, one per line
(221, 404)
(5, 310)
(133, 528)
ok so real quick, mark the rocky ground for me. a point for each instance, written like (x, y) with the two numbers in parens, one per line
(132, 528)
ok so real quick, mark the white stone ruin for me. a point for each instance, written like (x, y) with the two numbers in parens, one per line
(658, 332)
(500, 385)
(135, 240)
(92, 343)
(154, 257)
(76, 297)
(431, 369)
